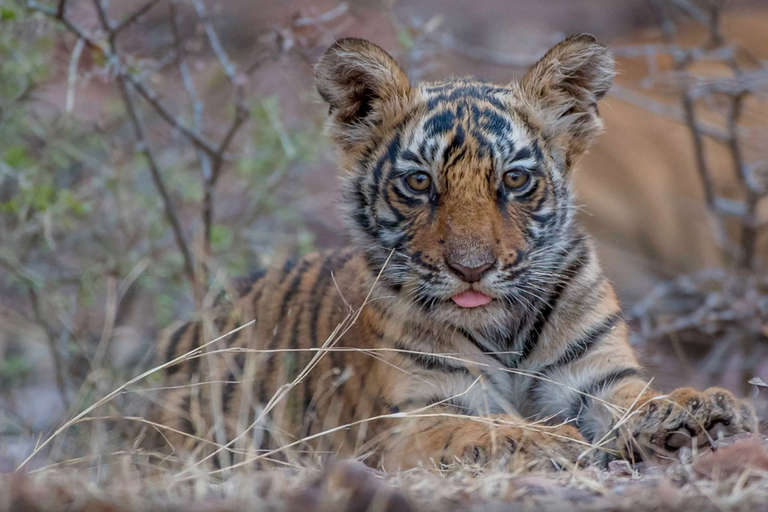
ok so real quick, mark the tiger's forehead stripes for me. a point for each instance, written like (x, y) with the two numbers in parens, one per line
(470, 130)
(484, 114)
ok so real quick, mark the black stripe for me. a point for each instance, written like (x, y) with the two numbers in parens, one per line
(194, 363)
(243, 285)
(470, 337)
(440, 123)
(582, 402)
(465, 90)
(316, 297)
(417, 258)
(186, 423)
(407, 200)
(393, 149)
(172, 346)
(361, 216)
(287, 266)
(577, 349)
(293, 288)
(491, 121)
(545, 218)
(610, 379)
(410, 156)
(232, 380)
(455, 147)
(534, 333)
(431, 362)
(583, 345)
(458, 156)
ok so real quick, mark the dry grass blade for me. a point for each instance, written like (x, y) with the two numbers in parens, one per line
(117, 391)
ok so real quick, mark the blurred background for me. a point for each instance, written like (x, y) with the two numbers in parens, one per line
(153, 151)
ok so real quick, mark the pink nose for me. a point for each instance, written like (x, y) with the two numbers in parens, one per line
(470, 274)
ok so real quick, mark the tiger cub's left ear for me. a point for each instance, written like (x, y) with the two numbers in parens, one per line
(563, 89)
(363, 86)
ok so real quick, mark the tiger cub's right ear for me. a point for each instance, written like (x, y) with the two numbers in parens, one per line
(363, 86)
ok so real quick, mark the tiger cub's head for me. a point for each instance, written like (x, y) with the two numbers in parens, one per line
(462, 187)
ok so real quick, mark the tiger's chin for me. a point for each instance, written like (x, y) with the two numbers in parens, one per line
(492, 313)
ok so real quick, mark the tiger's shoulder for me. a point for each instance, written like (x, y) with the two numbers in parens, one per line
(289, 301)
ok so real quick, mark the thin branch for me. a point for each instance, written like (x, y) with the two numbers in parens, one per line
(151, 98)
(59, 363)
(748, 230)
(213, 38)
(60, 9)
(136, 15)
(189, 85)
(143, 147)
(240, 116)
(327, 16)
(157, 179)
(692, 11)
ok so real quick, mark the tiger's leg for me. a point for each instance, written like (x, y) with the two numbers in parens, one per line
(441, 438)
(617, 410)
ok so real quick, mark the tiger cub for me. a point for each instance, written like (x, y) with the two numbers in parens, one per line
(470, 322)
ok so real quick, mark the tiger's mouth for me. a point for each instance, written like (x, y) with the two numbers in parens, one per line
(471, 299)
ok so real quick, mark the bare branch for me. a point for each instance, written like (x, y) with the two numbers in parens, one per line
(151, 98)
(693, 11)
(213, 38)
(211, 155)
(143, 147)
(322, 18)
(60, 9)
(735, 89)
(136, 15)
(240, 116)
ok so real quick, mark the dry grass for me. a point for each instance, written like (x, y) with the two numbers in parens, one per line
(81, 467)
(735, 477)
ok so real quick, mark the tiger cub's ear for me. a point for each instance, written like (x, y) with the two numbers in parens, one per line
(363, 86)
(563, 89)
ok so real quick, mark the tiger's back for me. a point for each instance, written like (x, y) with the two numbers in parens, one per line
(289, 367)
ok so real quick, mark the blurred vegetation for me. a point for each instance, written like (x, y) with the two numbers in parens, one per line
(85, 240)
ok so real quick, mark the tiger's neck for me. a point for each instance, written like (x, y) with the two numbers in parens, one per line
(511, 328)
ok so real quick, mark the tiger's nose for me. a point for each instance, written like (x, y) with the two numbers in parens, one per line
(470, 274)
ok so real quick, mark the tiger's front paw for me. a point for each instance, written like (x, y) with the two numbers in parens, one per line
(666, 423)
(508, 447)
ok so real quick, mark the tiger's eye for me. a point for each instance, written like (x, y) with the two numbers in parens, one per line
(516, 179)
(418, 181)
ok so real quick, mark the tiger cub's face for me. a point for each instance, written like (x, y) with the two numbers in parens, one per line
(460, 190)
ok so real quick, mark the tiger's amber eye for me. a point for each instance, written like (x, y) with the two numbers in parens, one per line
(516, 179)
(418, 181)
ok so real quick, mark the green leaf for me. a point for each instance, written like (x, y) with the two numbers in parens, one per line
(405, 39)
(7, 14)
(16, 156)
(221, 238)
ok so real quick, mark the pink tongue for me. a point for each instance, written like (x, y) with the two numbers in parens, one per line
(471, 299)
